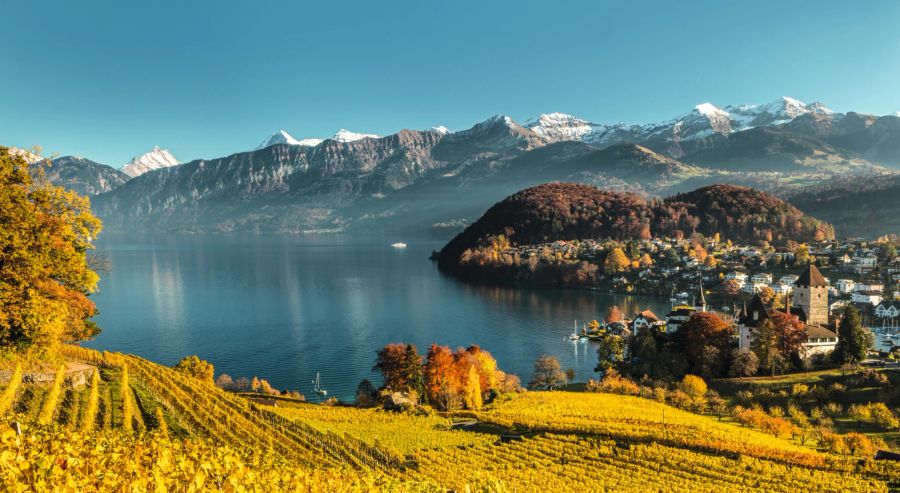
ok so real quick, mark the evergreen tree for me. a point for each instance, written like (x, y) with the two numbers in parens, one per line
(853, 341)
(412, 371)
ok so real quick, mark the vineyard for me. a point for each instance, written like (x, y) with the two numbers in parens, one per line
(142, 425)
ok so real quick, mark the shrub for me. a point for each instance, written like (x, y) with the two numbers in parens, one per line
(799, 389)
(859, 444)
(860, 412)
(693, 386)
(883, 416)
(680, 399)
(834, 409)
(614, 383)
(832, 442)
(196, 367)
(660, 394)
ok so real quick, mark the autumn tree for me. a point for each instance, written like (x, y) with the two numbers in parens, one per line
(776, 340)
(196, 367)
(707, 339)
(610, 352)
(801, 255)
(744, 363)
(46, 233)
(646, 261)
(613, 315)
(853, 341)
(616, 261)
(472, 389)
(731, 288)
(766, 294)
(442, 382)
(391, 362)
(547, 373)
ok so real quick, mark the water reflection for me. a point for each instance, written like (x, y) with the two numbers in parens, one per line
(285, 308)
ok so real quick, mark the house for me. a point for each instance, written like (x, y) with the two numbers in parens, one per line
(869, 286)
(761, 278)
(782, 288)
(644, 320)
(740, 277)
(887, 309)
(753, 287)
(845, 286)
(819, 340)
(864, 263)
(866, 297)
(788, 279)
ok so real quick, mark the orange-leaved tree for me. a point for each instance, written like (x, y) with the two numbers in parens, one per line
(46, 233)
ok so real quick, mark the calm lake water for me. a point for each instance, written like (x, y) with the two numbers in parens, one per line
(286, 307)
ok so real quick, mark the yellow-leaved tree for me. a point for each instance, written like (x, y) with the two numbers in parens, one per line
(46, 233)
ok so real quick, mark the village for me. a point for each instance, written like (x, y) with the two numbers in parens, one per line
(744, 285)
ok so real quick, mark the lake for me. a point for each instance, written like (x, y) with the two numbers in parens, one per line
(285, 307)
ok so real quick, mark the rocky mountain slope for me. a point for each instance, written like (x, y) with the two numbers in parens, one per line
(416, 180)
(83, 175)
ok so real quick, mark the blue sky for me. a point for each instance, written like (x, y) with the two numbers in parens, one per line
(110, 79)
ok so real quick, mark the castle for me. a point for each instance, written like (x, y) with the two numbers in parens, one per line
(808, 303)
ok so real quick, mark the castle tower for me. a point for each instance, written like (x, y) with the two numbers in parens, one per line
(811, 296)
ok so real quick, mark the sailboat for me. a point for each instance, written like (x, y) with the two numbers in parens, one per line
(574, 336)
(317, 389)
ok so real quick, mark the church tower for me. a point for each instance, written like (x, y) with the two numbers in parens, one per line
(811, 296)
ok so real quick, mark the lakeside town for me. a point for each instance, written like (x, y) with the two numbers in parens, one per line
(700, 274)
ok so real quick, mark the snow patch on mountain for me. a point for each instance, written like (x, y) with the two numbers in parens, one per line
(155, 159)
(560, 126)
(282, 137)
(442, 130)
(348, 136)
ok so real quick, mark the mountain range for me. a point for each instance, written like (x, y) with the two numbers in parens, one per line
(437, 180)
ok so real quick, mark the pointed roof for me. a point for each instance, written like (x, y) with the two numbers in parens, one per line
(702, 296)
(811, 277)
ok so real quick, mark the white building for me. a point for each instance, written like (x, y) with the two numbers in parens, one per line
(763, 278)
(788, 279)
(782, 288)
(845, 286)
(740, 277)
(870, 297)
(872, 286)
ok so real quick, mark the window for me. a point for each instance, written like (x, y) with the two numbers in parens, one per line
(755, 315)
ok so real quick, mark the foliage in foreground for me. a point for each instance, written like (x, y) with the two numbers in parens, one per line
(51, 459)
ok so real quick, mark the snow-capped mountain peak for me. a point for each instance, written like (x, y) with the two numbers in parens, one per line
(345, 136)
(282, 137)
(155, 159)
(560, 126)
(708, 109)
(442, 130)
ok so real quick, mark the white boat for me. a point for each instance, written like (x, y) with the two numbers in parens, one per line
(317, 388)
(399, 244)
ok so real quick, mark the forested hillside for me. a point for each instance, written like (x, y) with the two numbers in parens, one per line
(567, 211)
